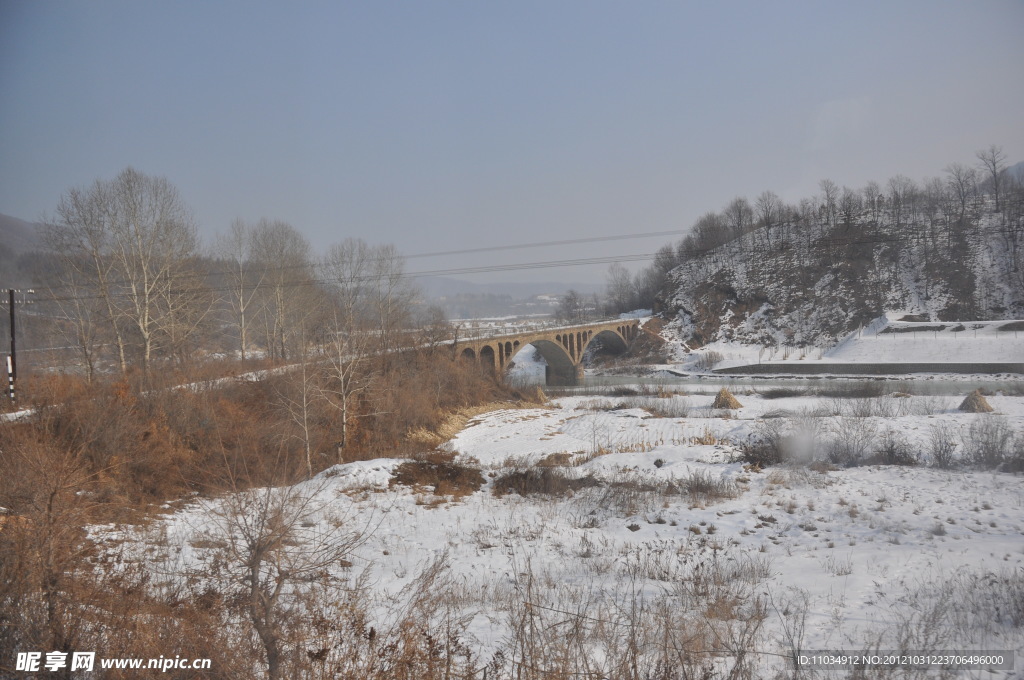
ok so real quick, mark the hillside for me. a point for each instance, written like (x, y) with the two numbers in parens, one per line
(18, 235)
(815, 274)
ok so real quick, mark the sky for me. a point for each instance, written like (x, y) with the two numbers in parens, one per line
(450, 125)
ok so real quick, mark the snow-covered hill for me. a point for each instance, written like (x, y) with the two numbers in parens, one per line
(818, 278)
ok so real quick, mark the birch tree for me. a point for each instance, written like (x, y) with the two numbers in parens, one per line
(282, 258)
(244, 278)
(132, 241)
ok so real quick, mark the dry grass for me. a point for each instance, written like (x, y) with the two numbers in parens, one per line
(443, 478)
(541, 481)
(725, 400)
(975, 403)
(456, 421)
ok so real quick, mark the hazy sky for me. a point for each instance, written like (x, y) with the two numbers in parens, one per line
(446, 125)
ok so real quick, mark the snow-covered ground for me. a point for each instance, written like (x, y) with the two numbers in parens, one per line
(885, 340)
(940, 342)
(869, 557)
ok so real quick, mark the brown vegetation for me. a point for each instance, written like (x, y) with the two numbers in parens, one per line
(110, 452)
(975, 403)
(724, 399)
(442, 477)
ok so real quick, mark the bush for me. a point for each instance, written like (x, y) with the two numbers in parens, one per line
(942, 447)
(707, 360)
(445, 478)
(893, 449)
(987, 442)
(1015, 461)
(854, 439)
(782, 393)
(701, 487)
(545, 481)
(765, 447)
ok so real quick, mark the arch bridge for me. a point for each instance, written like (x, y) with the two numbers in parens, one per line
(561, 347)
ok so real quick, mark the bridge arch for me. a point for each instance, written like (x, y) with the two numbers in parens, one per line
(487, 358)
(563, 348)
(614, 341)
(561, 370)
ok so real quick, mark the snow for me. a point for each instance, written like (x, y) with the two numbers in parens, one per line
(885, 340)
(975, 341)
(863, 546)
(527, 367)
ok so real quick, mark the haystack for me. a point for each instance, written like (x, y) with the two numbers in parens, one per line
(975, 403)
(726, 400)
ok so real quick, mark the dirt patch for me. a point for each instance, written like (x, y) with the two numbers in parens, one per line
(443, 478)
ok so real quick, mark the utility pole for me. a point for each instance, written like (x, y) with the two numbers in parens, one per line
(12, 361)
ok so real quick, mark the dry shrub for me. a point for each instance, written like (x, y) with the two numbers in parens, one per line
(60, 591)
(894, 449)
(559, 459)
(725, 400)
(942, 446)
(444, 478)
(707, 360)
(853, 441)
(544, 481)
(422, 396)
(988, 442)
(701, 488)
(630, 495)
(782, 393)
(455, 421)
(975, 403)
(766, 446)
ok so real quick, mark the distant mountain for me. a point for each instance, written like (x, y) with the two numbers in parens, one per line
(18, 235)
(1016, 171)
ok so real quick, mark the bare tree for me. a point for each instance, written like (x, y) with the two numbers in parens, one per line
(572, 308)
(849, 206)
(299, 396)
(621, 293)
(768, 208)
(80, 237)
(393, 296)
(277, 541)
(901, 190)
(245, 279)
(154, 237)
(135, 239)
(281, 256)
(739, 216)
(993, 163)
(348, 270)
(872, 196)
(963, 182)
(830, 200)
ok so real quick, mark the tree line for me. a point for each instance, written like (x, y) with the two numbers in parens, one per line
(927, 220)
(131, 283)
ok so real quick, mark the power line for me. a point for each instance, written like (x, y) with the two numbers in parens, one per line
(379, 258)
(544, 244)
(730, 248)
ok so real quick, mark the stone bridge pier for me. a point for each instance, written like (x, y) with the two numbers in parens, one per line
(562, 347)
